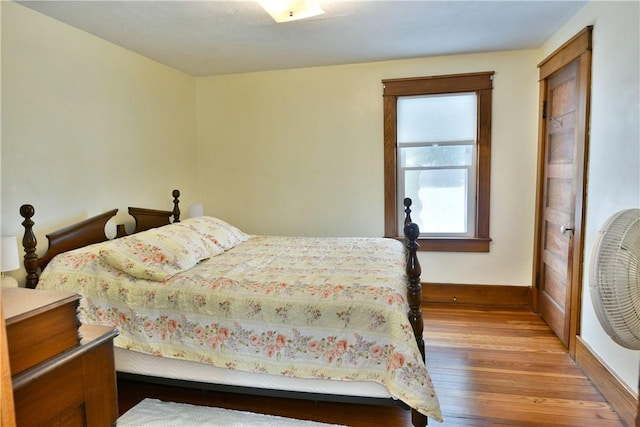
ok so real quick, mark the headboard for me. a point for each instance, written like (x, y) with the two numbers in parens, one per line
(151, 218)
(87, 232)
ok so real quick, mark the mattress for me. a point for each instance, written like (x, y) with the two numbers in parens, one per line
(132, 362)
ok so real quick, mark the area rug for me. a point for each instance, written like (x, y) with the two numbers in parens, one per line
(156, 413)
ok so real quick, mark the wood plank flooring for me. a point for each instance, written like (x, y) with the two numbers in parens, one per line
(490, 367)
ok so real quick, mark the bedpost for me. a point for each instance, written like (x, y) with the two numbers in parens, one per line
(29, 243)
(414, 289)
(414, 297)
(414, 292)
(176, 208)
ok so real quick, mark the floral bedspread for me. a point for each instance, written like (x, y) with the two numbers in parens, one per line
(332, 308)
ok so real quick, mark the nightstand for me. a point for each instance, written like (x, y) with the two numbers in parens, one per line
(62, 373)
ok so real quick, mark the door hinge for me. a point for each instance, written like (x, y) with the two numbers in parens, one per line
(544, 109)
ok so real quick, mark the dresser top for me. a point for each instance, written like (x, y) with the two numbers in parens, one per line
(20, 302)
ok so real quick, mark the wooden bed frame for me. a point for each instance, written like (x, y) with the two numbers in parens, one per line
(92, 230)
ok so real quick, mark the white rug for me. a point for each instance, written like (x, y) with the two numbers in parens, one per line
(155, 413)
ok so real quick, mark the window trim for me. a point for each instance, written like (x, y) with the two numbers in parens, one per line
(480, 83)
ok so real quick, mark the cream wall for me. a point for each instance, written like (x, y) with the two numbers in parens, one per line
(614, 154)
(88, 126)
(301, 152)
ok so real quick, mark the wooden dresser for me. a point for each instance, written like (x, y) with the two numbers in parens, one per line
(62, 373)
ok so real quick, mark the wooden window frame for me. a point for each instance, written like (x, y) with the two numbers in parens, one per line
(480, 83)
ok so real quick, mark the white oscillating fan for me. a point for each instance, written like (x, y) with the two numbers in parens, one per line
(615, 277)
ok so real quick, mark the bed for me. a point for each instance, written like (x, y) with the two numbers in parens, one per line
(200, 302)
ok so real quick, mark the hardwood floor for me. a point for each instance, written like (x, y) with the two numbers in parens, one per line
(490, 367)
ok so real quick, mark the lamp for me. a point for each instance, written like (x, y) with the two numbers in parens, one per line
(291, 10)
(9, 260)
(196, 211)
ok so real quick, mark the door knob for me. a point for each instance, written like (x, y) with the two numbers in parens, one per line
(565, 228)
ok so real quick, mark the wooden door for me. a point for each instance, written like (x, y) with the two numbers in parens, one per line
(558, 202)
(563, 140)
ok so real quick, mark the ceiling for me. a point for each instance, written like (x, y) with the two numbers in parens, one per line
(222, 37)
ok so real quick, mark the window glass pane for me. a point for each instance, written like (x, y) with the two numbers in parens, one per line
(436, 155)
(437, 118)
(442, 201)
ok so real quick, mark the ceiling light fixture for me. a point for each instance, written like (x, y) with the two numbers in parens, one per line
(291, 10)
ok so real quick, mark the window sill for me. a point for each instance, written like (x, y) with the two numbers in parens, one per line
(473, 244)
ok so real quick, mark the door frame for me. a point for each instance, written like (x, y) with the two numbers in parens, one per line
(578, 47)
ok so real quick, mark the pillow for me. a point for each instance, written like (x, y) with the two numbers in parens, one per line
(216, 231)
(207, 241)
(157, 253)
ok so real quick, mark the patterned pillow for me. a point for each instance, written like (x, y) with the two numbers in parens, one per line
(210, 244)
(158, 253)
(216, 231)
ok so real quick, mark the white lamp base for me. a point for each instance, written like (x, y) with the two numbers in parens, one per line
(9, 282)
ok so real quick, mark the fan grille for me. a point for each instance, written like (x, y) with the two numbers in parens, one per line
(615, 278)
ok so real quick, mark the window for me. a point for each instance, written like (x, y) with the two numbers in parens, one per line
(437, 151)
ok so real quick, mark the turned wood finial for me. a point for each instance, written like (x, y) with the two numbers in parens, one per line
(29, 243)
(176, 208)
(407, 210)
